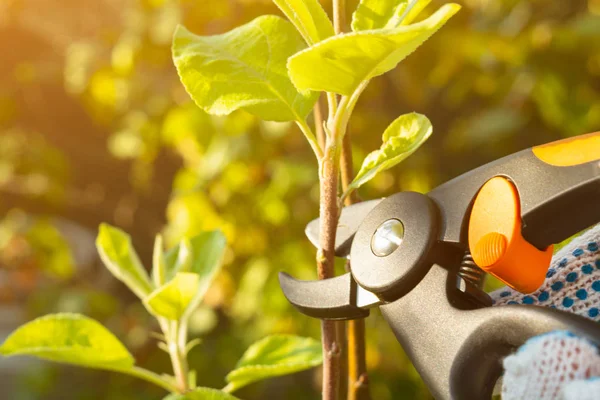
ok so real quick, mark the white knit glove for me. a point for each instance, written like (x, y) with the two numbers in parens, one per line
(559, 365)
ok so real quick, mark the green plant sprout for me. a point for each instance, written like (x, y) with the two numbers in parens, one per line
(276, 69)
(179, 280)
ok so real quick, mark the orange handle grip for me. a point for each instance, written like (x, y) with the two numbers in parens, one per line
(496, 242)
(563, 200)
(570, 152)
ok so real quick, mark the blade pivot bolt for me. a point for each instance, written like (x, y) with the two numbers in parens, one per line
(387, 238)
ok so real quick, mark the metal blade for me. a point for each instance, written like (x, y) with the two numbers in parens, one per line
(350, 220)
(334, 298)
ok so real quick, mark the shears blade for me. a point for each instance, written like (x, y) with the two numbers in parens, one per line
(350, 219)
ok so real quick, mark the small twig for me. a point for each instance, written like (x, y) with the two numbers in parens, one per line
(347, 171)
(342, 340)
(358, 388)
(148, 376)
(339, 26)
(358, 382)
(319, 119)
(339, 16)
(176, 335)
(228, 388)
(312, 140)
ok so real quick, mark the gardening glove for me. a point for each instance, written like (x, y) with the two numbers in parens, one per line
(559, 365)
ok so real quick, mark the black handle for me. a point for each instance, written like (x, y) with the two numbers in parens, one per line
(556, 202)
(458, 351)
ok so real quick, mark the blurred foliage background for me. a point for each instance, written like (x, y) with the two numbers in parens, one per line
(96, 127)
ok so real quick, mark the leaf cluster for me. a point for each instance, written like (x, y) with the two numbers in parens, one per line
(271, 70)
(179, 280)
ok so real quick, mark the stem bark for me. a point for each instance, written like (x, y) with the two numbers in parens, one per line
(339, 26)
(326, 260)
(339, 16)
(358, 383)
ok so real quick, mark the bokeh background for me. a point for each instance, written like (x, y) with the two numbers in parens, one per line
(95, 127)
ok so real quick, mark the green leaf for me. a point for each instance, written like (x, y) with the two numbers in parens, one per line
(414, 9)
(172, 299)
(69, 338)
(179, 259)
(243, 69)
(158, 262)
(400, 140)
(275, 356)
(378, 14)
(339, 64)
(119, 256)
(208, 249)
(308, 17)
(202, 393)
(386, 14)
(202, 254)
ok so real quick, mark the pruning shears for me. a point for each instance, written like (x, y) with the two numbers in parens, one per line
(421, 259)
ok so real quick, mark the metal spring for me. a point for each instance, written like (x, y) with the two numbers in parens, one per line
(470, 272)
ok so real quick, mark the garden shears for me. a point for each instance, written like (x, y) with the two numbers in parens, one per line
(421, 259)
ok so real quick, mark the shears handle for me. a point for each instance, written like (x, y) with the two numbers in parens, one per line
(558, 186)
(458, 351)
(511, 211)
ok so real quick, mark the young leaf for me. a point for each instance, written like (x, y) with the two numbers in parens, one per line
(158, 262)
(172, 299)
(119, 256)
(308, 17)
(177, 259)
(202, 393)
(275, 356)
(184, 256)
(339, 64)
(243, 69)
(400, 140)
(69, 338)
(205, 253)
(414, 9)
(193, 255)
(386, 14)
(208, 249)
(378, 14)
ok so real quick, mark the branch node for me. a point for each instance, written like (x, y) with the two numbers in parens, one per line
(335, 351)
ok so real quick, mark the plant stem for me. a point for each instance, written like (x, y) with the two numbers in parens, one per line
(358, 388)
(175, 333)
(347, 170)
(333, 335)
(319, 119)
(228, 388)
(339, 16)
(342, 340)
(345, 109)
(328, 208)
(148, 376)
(358, 381)
(332, 103)
(310, 136)
(329, 171)
(339, 25)
(176, 344)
